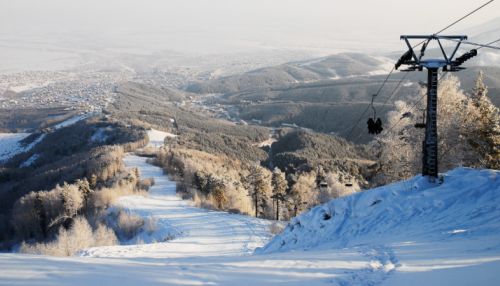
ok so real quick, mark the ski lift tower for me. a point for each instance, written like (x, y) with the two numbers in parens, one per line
(448, 64)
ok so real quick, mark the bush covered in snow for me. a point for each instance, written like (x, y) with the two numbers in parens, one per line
(68, 242)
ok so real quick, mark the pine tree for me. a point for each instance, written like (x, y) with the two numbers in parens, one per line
(485, 135)
(41, 214)
(201, 182)
(71, 199)
(85, 190)
(257, 189)
(279, 185)
(93, 181)
(399, 147)
(302, 193)
(217, 189)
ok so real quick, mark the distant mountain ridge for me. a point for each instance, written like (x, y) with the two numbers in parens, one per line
(332, 67)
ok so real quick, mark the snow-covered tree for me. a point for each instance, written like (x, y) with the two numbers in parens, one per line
(398, 148)
(218, 192)
(72, 200)
(85, 190)
(279, 184)
(258, 190)
(467, 132)
(483, 126)
(302, 193)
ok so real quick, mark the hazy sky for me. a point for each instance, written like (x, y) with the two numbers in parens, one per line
(233, 25)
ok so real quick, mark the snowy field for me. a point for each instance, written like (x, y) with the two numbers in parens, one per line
(10, 144)
(409, 233)
(157, 138)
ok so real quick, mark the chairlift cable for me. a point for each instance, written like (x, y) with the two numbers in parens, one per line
(392, 70)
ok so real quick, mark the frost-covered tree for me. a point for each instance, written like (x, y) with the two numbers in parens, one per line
(279, 184)
(72, 199)
(483, 126)
(258, 189)
(218, 191)
(85, 190)
(339, 185)
(399, 146)
(302, 193)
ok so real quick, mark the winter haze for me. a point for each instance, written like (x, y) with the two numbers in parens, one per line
(59, 33)
(249, 142)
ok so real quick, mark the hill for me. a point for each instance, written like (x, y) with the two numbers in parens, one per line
(333, 105)
(332, 67)
(306, 150)
(422, 233)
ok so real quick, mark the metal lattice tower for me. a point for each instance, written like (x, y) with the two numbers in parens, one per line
(430, 144)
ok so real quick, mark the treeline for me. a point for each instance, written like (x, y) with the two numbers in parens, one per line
(68, 154)
(468, 126)
(76, 171)
(153, 110)
(21, 119)
(71, 217)
(224, 183)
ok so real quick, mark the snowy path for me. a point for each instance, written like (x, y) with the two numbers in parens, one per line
(374, 244)
(211, 248)
(197, 232)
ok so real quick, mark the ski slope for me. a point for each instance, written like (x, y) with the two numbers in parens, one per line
(195, 231)
(408, 233)
(157, 137)
(416, 232)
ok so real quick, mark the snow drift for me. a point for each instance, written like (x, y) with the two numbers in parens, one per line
(464, 206)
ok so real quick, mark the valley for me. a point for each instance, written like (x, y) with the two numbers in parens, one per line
(226, 143)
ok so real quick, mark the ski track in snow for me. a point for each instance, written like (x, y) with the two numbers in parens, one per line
(215, 248)
(157, 137)
(196, 231)
(209, 248)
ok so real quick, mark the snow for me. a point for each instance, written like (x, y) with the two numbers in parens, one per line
(31, 160)
(157, 137)
(197, 232)
(409, 233)
(29, 86)
(10, 144)
(415, 231)
(100, 135)
(72, 120)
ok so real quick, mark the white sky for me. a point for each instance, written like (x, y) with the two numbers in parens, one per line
(233, 25)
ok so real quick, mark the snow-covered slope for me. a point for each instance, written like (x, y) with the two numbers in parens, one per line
(10, 144)
(443, 234)
(157, 137)
(195, 231)
(408, 233)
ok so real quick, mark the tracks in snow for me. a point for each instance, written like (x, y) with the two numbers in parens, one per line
(196, 232)
(382, 262)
